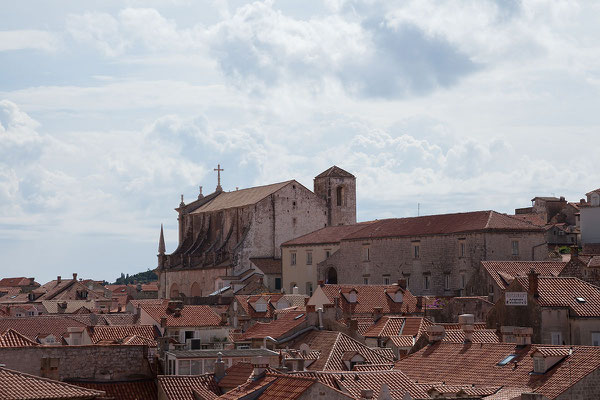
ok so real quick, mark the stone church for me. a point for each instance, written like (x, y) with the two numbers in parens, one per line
(227, 239)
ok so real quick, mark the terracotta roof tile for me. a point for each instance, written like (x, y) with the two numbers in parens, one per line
(188, 316)
(388, 326)
(240, 198)
(503, 272)
(479, 336)
(236, 375)
(370, 297)
(551, 351)
(335, 171)
(476, 221)
(130, 390)
(12, 338)
(476, 364)
(403, 341)
(246, 389)
(284, 324)
(268, 265)
(182, 387)
(31, 327)
(14, 282)
(120, 332)
(16, 385)
(287, 388)
(373, 367)
(329, 234)
(581, 297)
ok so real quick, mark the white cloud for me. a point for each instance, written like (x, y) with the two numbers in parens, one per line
(29, 39)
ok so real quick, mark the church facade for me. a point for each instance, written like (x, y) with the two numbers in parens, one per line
(228, 238)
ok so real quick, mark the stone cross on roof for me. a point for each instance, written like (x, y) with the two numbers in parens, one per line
(219, 169)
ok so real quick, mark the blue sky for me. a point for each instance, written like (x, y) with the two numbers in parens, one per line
(109, 110)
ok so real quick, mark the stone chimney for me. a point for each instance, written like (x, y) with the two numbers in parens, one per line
(295, 290)
(163, 322)
(58, 280)
(466, 322)
(224, 319)
(436, 333)
(219, 367)
(353, 324)
(523, 335)
(260, 364)
(419, 302)
(310, 308)
(574, 252)
(366, 394)
(533, 283)
(402, 283)
(377, 313)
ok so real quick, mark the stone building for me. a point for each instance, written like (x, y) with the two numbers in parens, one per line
(436, 254)
(590, 218)
(222, 233)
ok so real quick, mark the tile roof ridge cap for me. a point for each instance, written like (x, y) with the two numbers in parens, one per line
(487, 224)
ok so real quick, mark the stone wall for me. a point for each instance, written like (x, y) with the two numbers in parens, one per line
(526, 316)
(93, 362)
(439, 256)
(587, 388)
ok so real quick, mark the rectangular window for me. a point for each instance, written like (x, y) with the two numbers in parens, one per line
(277, 283)
(556, 337)
(416, 251)
(292, 258)
(595, 338)
(386, 280)
(463, 281)
(309, 288)
(426, 281)
(365, 280)
(366, 253)
(447, 282)
(309, 258)
(327, 253)
(462, 249)
(408, 281)
(515, 247)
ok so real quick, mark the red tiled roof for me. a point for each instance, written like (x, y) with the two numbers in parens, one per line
(332, 346)
(373, 367)
(403, 341)
(16, 385)
(388, 326)
(476, 364)
(31, 327)
(11, 338)
(287, 388)
(476, 221)
(284, 324)
(370, 297)
(551, 351)
(564, 292)
(236, 375)
(150, 287)
(247, 302)
(534, 219)
(120, 332)
(130, 390)
(177, 387)
(479, 336)
(329, 234)
(335, 171)
(14, 282)
(248, 388)
(503, 272)
(188, 316)
(268, 265)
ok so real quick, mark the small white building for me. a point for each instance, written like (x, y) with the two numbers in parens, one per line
(590, 218)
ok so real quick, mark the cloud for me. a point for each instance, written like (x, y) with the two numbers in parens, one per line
(29, 39)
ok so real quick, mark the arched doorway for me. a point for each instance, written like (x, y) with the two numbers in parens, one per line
(196, 291)
(331, 276)
(174, 292)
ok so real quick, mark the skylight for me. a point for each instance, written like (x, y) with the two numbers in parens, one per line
(580, 300)
(508, 359)
(299, 316)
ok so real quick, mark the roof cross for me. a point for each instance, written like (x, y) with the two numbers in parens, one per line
(219, 169)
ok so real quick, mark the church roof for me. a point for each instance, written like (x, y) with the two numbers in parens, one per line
(240, 198)
(335, 171)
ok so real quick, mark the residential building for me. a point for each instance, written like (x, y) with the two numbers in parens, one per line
(436, 254)
(590, 218)
(246, 310)
(198, 362)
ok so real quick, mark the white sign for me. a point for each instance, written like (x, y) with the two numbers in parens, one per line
(515, 298)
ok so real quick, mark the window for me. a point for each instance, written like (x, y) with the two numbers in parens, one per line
(539, 365)
(365, 280)
(260, 307)
(407, 281)
(462, 249)
(416, 251)
(447, 282)
(506, 360)
(595, 338)
(556, 337)
(189, 335)
(366, 253)
(277, 283)
(426, 281)
(309, 288)
(327, 253)
(309, 258)
(339, 195)
(463, 281)
(515, 247)
(184, 367)
(292, 258)
(294, 220)
(491, 291)
(386, 280)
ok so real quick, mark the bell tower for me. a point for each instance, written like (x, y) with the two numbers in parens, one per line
(338, 188)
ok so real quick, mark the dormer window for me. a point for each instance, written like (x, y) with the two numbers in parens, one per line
(352, 296)
(260, 306)
(539, 365)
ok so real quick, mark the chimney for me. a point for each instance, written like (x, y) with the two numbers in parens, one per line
(574, 252)
(310, 308)
(466, 322)
(58, 280)
(295, 290)
(224, 319)
(119, 308)
(366, 394)
(321, 283)
(436, 333)
(260, 364)
(419, 302)
(402, 283)
(377, 313)
(163, 322)
(581, 201)
(74, 276)
(353, 325)
(219, 367)
(533, 283)
(523, 335)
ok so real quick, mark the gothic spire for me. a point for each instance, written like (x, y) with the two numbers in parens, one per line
(161, 242)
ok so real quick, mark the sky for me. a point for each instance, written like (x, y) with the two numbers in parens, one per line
(110, 110)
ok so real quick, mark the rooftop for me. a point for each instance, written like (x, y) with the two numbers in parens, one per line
(187, 316)
(240, 198)
(503, 272)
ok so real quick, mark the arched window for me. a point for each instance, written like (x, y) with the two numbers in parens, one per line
(331, 276)
(196, 291)
(174, 292)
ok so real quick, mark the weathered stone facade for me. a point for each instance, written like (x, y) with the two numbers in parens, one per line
(94, 362)
(220, 233)
(441, 265)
